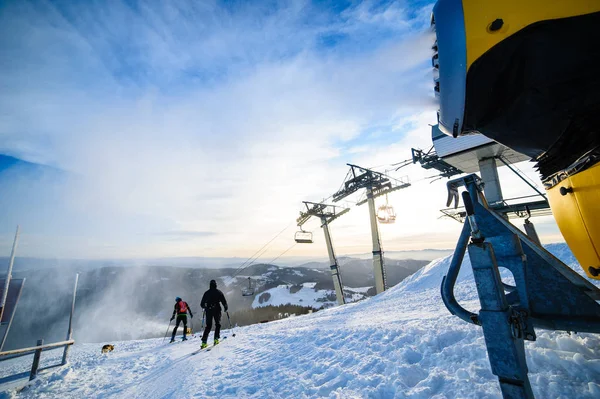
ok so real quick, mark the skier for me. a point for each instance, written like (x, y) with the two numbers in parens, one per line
(211, 301)
(181, 309)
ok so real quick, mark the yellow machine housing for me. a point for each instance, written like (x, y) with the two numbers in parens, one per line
(517, 14)
(525, 74)
(575, 202)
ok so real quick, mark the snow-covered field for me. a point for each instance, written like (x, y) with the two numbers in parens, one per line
(400, 344)
(305, 296)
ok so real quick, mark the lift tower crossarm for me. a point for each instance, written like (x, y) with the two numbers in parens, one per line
(327, 214)
(375, 184)
(364, 179)
(320, 210)
(379, 193)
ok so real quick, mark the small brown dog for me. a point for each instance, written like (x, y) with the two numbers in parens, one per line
(189, 331)
(107, 348)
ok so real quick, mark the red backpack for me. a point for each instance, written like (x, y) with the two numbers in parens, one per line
(183, 307)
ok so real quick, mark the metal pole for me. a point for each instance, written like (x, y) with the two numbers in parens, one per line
(531, 233)
(335, 268)
(166, 332)
(12, 316)
(522, 178)
(449, 280)
(36, 360)
(378, 265)
(70, 332)
(230, 327)
(9, 274)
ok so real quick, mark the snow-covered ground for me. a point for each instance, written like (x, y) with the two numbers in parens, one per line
(400, 344)
(227, 280)
(305, 296)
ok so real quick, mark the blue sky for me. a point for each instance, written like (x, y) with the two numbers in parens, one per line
(191, 128)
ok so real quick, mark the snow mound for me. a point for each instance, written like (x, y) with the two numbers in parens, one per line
(399, 344)
(431, 275)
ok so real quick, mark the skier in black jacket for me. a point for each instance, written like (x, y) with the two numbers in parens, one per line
(211, 301)
(181, 309)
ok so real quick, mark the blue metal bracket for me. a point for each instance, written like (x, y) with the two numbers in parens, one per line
(547, 293)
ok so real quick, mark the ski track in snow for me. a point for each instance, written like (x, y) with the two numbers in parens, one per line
(400, 344)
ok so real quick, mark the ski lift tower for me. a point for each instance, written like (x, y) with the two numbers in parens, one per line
(376, 185)
(477, 153)
(327, 214)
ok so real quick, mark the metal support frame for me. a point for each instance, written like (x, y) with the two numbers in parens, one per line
(491, 180)
(9, 273)
(327, 214)
(37, 350)
(547, 293)
(531, 232)
(333, 264)
(507, 164)
(12, 316)
(378, 262)
(430, 160)
(70, 331)
(376, 185)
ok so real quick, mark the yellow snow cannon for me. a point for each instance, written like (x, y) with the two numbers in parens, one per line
(525, 73)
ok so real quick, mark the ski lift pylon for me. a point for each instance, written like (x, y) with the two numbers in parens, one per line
(386, 213)
(250, 290)
(303, 237)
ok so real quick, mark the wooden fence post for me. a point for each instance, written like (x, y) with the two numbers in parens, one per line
(70, 332)
(36, 360)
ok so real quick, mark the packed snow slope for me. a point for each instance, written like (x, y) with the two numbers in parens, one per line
(400, 344)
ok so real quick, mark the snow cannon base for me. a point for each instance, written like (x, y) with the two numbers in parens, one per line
(547, 293)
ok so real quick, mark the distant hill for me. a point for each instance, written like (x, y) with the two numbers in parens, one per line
(115, 302)
(31, 263)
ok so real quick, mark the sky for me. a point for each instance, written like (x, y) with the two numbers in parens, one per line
(140, 129)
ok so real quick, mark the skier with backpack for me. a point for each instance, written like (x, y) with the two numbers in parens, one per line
(211, 303)
(181, 309)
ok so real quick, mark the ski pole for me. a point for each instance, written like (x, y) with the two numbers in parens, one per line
(203, 314)
(231, 328)
(169, 326)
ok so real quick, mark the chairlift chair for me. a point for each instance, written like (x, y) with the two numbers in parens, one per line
(250, 290)
(386, 213)
(303, 237)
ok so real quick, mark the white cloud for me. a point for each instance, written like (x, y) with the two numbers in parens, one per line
(190, 117)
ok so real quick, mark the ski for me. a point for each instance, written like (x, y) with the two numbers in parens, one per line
(178, 341)
(213, 346)
(209, 347)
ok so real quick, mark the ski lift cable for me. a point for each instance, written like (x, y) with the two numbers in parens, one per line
(263, 249)
(382, 165)
(283, 253)
(246, 266)
(393, 178)
(252, 261)
(277, 257)
(257, 255)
